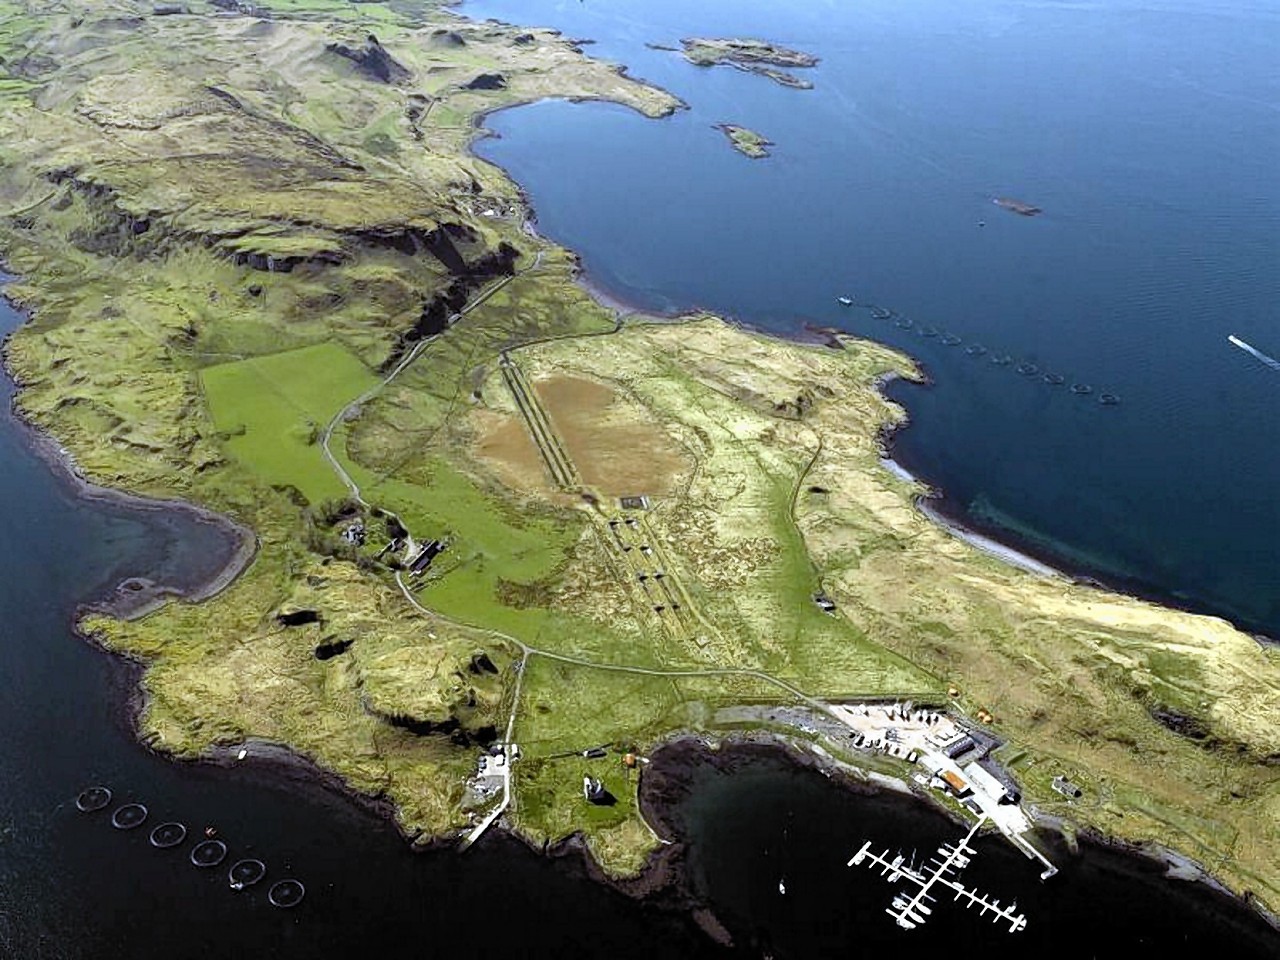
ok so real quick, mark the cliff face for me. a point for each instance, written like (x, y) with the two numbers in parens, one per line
(144, 190)
(372, 60)
(225, 223)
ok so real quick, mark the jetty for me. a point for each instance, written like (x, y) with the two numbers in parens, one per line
(939, 873)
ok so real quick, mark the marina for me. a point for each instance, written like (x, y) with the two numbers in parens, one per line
(910, 910)
(764, 837)
(949, 758)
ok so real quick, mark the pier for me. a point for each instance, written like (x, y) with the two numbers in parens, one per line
(940, 871)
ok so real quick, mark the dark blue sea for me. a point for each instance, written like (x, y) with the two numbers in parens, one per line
(1131, 140)
(1148, 132)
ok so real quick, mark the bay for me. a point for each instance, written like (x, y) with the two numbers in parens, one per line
(1146, 131)
(71, 886)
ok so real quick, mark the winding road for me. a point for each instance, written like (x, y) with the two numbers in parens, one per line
(351, 409)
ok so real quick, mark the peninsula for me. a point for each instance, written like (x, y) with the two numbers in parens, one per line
(266, 275)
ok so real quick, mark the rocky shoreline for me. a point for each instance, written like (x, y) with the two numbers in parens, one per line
(137, 596)
(665, 785)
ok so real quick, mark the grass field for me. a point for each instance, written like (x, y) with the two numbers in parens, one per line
(168, 359)
(273, 409)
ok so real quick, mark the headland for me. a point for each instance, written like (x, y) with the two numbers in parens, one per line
(288, 293)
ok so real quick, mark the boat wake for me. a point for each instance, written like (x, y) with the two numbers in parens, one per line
(1271, 362)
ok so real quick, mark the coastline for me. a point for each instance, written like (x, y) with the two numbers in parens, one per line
(686, 750)
(122, 602)
(935, 504)
(930, 503)
(663, 880)
(939, 507)
(125, 600)
(298, 768)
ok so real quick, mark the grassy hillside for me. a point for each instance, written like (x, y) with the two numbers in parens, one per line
(240, 234)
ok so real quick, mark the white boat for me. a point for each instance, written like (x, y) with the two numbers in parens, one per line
(845, 301)
(782, 887)
(1253, 351)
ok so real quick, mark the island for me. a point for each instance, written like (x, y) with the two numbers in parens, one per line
(753, 56)
(507, 545)
(746, 141)
(1016, 206)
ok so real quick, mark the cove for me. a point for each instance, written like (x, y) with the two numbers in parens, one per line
(71, 886)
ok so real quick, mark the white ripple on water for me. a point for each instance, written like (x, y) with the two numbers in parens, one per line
(1271, 362)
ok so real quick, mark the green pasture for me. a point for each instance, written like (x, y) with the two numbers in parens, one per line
(273, 409)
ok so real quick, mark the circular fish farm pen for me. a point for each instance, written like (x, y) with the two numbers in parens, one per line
(286, 893)
(1001, 359)
(1054, 379)
(880, 313)
(1108, 399)
(951, 340)
(129, 816)
(1028, 369)
(975, 350)
(168, 835)
(208, 853)
(929, 332)
(903, 323)
(245, 873)
(1081, 389)
(93, 799)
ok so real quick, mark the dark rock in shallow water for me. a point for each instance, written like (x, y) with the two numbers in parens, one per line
(1016, 206)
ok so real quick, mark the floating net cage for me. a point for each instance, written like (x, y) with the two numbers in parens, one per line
(129, 816)
(93, 799)
(286, 893)
(1026, 367)
(208, 853)
(168, 835)
(245, 873)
